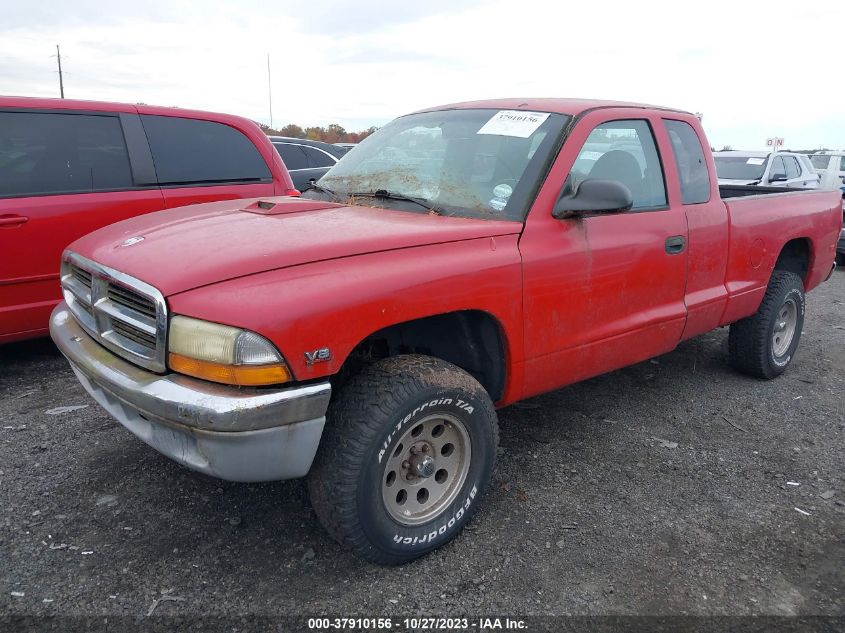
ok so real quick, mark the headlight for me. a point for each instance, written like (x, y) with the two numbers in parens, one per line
(222, 353)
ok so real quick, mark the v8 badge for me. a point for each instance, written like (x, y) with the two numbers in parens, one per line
(318, 356)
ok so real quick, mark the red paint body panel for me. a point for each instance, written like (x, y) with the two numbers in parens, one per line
(591, 301)
(573, 298)
(29, 270)
(221, 241)
(31, 250)
(775, 220)
(707, 234)
(337, 303)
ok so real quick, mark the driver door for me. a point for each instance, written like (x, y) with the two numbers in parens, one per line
(604, 291)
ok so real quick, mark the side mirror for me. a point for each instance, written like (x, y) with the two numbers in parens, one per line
(777, 178)
(592, 197)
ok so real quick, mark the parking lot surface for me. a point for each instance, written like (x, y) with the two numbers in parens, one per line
(676, 486)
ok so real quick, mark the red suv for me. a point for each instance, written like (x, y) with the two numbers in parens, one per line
(70, 167)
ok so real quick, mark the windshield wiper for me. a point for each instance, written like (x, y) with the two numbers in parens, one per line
(384, 194)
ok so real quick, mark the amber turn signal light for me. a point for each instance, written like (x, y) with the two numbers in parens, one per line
(241, 375)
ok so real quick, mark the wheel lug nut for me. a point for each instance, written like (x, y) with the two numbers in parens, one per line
(414, 450)
(426, 448)
(406, 464)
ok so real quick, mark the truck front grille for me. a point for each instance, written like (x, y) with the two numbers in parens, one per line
(83, 276)
(124, 314)
(132, 301)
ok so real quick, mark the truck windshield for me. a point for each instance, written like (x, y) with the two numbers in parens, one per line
(478, 163)
(740, 167)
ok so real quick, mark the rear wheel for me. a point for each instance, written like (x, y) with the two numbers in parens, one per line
(764, 344)
(408, 450)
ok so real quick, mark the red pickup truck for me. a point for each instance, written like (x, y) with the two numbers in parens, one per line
(458, 260)
(70, 167)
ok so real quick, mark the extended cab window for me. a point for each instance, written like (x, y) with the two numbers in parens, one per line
(49, 153)
(689, 159)
(189, 151)
(624, 151)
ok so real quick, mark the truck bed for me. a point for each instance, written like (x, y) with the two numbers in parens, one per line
(761, 223)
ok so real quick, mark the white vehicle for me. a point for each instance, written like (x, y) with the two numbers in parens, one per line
(831, 168)
(773, 169)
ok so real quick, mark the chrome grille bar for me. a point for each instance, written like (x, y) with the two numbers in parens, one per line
(132, 301)
(122, 313)
(83, 276)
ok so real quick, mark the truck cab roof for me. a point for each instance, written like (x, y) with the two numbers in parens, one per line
(572, 107)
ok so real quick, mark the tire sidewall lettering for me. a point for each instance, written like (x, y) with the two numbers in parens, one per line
(427, 536)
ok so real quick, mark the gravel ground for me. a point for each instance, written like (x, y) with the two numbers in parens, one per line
(672, 487)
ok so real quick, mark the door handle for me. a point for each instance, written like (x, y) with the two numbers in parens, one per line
(12, 220)
(675, 244)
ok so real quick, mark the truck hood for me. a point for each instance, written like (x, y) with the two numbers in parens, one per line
(184, 248)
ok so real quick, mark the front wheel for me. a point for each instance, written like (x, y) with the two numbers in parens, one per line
(764, 344)
(408, 451)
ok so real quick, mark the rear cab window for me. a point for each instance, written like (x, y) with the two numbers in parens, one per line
(45, 153)
(191, 151)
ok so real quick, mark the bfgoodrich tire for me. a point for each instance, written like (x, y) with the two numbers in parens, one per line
(407, 453)
(764, 344)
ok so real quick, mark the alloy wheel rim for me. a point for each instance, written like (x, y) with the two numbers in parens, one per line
(427, 467)
(784, 330)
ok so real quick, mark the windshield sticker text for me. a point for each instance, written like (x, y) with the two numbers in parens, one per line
(514, 123)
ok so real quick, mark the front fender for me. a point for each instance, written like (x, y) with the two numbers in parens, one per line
(337, 303)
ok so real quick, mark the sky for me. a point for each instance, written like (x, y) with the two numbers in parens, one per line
(754, 69)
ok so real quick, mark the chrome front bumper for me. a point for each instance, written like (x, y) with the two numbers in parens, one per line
(227, 432)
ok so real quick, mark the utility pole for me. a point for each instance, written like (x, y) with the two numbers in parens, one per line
(61, 81)
(269, 90)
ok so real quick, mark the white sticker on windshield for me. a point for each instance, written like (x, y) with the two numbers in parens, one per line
(514, 123)
(756, 161)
